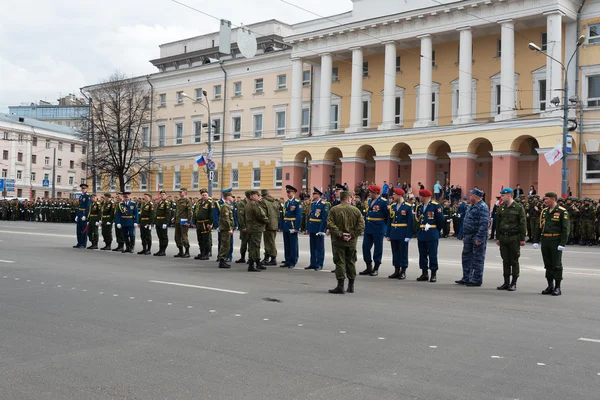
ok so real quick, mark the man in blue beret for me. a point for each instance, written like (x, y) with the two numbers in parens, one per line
(474, 230)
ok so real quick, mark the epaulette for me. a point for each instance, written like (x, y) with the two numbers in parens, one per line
(562, 208)
(434, 203)
(409, 204)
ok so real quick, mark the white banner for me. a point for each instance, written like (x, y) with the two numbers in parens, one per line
(554, 155)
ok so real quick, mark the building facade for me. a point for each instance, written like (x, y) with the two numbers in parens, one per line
(31, 149)
(70, 111)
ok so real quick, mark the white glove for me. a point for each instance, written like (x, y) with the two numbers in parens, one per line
(407, 240)
(560, 248)
(147, 226)
(40, 216)
(164, 226)
(458, 215)
(97, 223)
(108, 223)
(136, 225)
(427, 226)
(292, 231)
(76, 219)
(83, 218)
(536, 246)
(448, 220)
(119, 226)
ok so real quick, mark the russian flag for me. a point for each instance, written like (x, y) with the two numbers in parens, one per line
(201, 161)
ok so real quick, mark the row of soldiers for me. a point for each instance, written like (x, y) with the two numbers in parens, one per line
(41, 210)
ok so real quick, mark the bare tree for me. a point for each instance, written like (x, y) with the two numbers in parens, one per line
(119, 109)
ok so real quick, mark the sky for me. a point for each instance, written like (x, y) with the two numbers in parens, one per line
(49, 49)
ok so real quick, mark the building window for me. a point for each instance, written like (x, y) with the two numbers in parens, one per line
(237, 89)
(46, 177)
(47, 143)
(68, 123)
(20, 175)
(197, 131)
(46, 160)
(335, 117)
(198, 93)
(5, 136)
(76, 123)
(60, 162)
(176, 180)
(60, 145)
(215, 181)
(258, 86)
(499, 48)
(83, 149)
(127, 183)
(496, 99)
(179, 97)
(236, 125)
(113, 183)
(33, 177)
(433, 58)
(162, 135)
(258, 125)
(365, 114)
(98, 183)
(278, 173)
(306, 78)
(160, 178)
(20, 157)
(255, 178)
(71, 180)
(216, 129)
(280, 123)
(143, 181)
(594, 34)
(235, 179)
(305, 119)
(217, 92)
(281, 82)
(435, 93)
(542, 94)
(195, 177)
(593, 94)
(365, 71)
(58, 179)
(162, 99)
(33, 159)
(72, 148)
(71, 164)
(5, 155)
(398, 70)
(544, 41)
(34, 141)
(146, 136)
(4, 173)
(457, 98)
(591, 167)
(83, 166)
(335, 74)
(179, 133)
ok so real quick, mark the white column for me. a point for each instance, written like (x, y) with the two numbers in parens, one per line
(296, 101)
(389, 87)
(507, 74)
(425, 84)
(554, 72)
(325, 95)
(356, 94)
(465, 77)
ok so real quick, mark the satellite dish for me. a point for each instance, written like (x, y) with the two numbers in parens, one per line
(246, 43)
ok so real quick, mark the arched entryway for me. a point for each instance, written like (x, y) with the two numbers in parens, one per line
(402, 151)
(528, 164)
(440, 149)
(304, 158)
(483, 170)
(366, 153)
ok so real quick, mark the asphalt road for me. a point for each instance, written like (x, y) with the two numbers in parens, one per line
(82, 324)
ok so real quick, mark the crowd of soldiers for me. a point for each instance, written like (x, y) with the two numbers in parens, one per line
(41, 210)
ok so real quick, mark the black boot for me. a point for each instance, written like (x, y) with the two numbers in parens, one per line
(375, 271)
(339, 289)
(433, 276)
(350, 286)
(107, 247)
(200, 255)
(94, 245)
(368, 270)
(131, 246)
(143, 249)
(265, 259)
(424, 276)
(396, 273)
(251, 267)
(180, 254)
(557, 291)
(204, 255)
(505, 285)
(242, 259)
(550, 287)
(148, 252)
(402, 273)
(513, 284)
(91, 246)
(119, 247)
(273, 261)
(223, 264)
(260, 265)
(187, 253)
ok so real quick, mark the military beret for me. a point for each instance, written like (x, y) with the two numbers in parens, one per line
(374, 189)
(163, 192)
(551, 195)
(465, 197)
(107, 194)
(264, 192)
(228, 190)
(506, 191)
(290, 188)
(399, 191)
(183, 189)
(476, 192)
(317, 191)
(425, 193)
(202, 191)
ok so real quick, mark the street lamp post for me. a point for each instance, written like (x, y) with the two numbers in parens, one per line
(565, 166)
(209, 125)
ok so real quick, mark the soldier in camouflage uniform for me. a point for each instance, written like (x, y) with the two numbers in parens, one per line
(533, 214)
(203, 220)
(474, 235)
(271, 207)
(241, 207)
(108, 219)
(512, 228)
(93, 221)
(162, 218)
(146, 224)
(226, 226)
(587, 218)
(345, 223)
(447, 218)
(256, 222)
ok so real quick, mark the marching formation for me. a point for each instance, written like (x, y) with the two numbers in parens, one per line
(259, 217)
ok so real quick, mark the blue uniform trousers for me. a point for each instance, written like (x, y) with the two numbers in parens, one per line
(473, 258)
(428, 254)
(81, 236)
(129, 235)
(290, 246)
(230, 255)
(317, 250)
(369, 241)
(399, 253)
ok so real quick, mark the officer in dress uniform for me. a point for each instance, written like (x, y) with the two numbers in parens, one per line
(127, 220)
(146, 224)
(376, 218)
(430, 219)
(399, 233)
(317, 226)
(462, 209)
(163, 211)
(202, 219)
(118, 230)
(108, 218)
(289, 225)
(82, 213)
(94, 221)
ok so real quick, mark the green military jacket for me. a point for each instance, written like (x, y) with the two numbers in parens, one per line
(256, 218)
(241, 214)
(554, 223)
(147, 214)
(511, 222)
(226, 218)
(183, 210)
(108, 211)
(203, 216)
(345, 218)
(95, 214)
(272, 208)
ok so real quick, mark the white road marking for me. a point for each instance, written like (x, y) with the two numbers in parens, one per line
(497, 357)
(84, 290)
(433, 347)
(115, 295)
(342, 331)
(58, 285)
(37, 234)
(28, 280)
(16, 279)
(212, 311)
(238, 315)
(265, 319)
(381, 338)
(131, 298)
(101, 293)
(149, 301)
(199, 287)
(72, 288)
(589, 340)
(41, 283)
(300, 324)
(7, 261)
(190, 307)
(5, 277)
(541, 364)
(169, 304)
